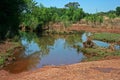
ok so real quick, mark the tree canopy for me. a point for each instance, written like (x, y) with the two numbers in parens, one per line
(74, 5)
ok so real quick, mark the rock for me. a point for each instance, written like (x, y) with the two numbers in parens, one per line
(88, 43)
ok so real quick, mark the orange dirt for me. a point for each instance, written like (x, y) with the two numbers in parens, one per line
(95, 70)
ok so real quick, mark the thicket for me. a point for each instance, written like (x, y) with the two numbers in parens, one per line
(28, 14)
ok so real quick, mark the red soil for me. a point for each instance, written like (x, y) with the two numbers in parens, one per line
(96, 70)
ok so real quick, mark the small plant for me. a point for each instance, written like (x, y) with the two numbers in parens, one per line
(2, 61)
(16, 38)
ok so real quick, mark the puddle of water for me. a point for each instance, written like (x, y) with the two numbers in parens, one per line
(46, 51)
(49, 50)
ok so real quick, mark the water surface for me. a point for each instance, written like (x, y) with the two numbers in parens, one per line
(46, 50)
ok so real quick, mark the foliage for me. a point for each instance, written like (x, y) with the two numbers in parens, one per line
(111, 15)
(73, 5)
(9, 15)
(30, 14)
(3, 56)
(94, 19)
(118, 11)
(74, 12)
(34, 16)
(1, 61)
(29, 20)
(78, 15)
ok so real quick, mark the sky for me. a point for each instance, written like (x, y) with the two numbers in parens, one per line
(89, 6)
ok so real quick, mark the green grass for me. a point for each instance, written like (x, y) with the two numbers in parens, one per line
(98, 53)
(9, 52)
(15, 44)
(3, 56)
(108, 37)
(2, 61)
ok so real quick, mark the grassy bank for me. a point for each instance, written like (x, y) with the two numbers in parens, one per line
(99, 53)
(7, 51)
(107, 37)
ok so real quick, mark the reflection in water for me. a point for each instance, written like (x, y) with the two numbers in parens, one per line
(30, 48)
(101, 43)
(60, 55)
(24, 64)
(84, 36)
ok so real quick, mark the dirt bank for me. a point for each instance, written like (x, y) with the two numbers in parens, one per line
(96, 70)
(78, 27)
(7, 49)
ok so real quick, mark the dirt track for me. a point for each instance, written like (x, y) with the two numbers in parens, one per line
(96, 70)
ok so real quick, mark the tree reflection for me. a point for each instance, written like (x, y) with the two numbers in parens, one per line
(37, 47)
(24, 64)
(74, 41)
(46, 43)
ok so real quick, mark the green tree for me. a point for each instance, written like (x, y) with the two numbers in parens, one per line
(9, 17)
(65, 21)
(55, 17)
(74, 5)
(118, 11)
(29, 17)
(94, 19)
(74, 12)
(111, 15)
(78, 14)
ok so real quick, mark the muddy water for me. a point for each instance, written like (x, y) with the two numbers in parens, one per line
(49, 50)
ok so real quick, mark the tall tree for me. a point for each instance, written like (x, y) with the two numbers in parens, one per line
(74, 5)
